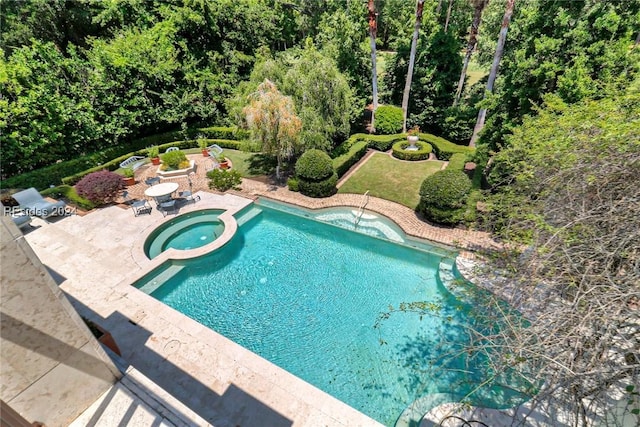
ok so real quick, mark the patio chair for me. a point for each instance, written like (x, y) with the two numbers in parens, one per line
(133, 162)
(32, 203)
(167, 206)
(151, 181)
(170, 149)
(188, 196)
(139, 206)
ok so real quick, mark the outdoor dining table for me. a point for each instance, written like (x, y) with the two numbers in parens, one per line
(160, 191)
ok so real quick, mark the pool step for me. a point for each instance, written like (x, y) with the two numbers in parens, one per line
(248, 216)
(161, 278)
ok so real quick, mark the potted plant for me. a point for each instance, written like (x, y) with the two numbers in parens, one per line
(129, 178)
(224, 163)
(202, 143)
(154, 154)
(412, 136)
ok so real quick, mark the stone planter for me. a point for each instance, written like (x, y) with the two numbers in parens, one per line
(178, 172)
(412, 140)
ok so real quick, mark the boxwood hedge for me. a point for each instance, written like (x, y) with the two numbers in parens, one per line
(422, 153)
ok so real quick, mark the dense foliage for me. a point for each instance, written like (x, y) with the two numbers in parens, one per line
(443, 196)
(173, 159)
(100, 187)
(566, 190)
(576, 50)
(388, 119)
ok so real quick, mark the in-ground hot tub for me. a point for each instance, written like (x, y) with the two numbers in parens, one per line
(188, 231)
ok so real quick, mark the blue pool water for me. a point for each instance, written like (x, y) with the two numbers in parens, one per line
(308, 297)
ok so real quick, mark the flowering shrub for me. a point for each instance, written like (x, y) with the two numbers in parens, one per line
(100, 187)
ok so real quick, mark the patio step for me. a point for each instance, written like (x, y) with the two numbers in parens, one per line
(159, 280)
(248, 216)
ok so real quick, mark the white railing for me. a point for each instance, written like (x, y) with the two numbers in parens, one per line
(360, 212)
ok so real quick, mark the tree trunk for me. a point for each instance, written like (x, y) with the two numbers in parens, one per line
(438, 8)
(374, 71)
(471, 45)
(446, 23)
(412, 60)
(482, 114)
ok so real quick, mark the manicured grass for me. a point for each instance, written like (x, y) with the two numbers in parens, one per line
(391, 179)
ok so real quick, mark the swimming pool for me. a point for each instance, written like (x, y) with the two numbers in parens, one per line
(308, 297)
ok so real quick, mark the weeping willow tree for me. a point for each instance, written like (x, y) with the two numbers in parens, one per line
(272, 120)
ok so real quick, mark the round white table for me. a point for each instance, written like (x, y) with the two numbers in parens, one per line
(161, 190)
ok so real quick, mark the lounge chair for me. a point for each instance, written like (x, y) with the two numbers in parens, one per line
(133, 162)
(32, 203)
(170, 149)
(21, 219)
(214, 150)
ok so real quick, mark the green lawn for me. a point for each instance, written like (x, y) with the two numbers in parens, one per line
(391, 179)
(475, 73)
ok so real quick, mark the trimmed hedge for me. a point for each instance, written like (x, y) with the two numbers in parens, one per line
(445, 149)
(443, 196)
(388, 119)
(344, 161)
(457, 161)
(422, 153)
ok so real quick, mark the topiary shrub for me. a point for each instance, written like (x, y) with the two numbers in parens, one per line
(388, 119)
(314, 165)
(443, 196)
(174, 160)
(324, 188)
(100, 187)
(223, 180)
(315, 174)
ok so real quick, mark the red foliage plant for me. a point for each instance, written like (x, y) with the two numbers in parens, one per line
(100, 187)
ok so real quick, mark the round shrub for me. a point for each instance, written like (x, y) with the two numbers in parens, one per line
(314, 165)
(223, 180)
(100, 187)
(174, 159)
(422, 153)
(443, 196)
(388, 119)
(324, 188)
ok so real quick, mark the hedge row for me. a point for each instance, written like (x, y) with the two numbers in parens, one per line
(445, 149)
(422, 153)
(343, 162)
(457, 161)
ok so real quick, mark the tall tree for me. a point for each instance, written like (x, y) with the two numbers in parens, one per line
(412, 60)
(371, 6)
(271, 117)
(446, 22)
(478, 7)
(502, 37)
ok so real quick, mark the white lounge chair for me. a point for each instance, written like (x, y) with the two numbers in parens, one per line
(214, 150)
(133, 162)
(170, 149)
(32, 202)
